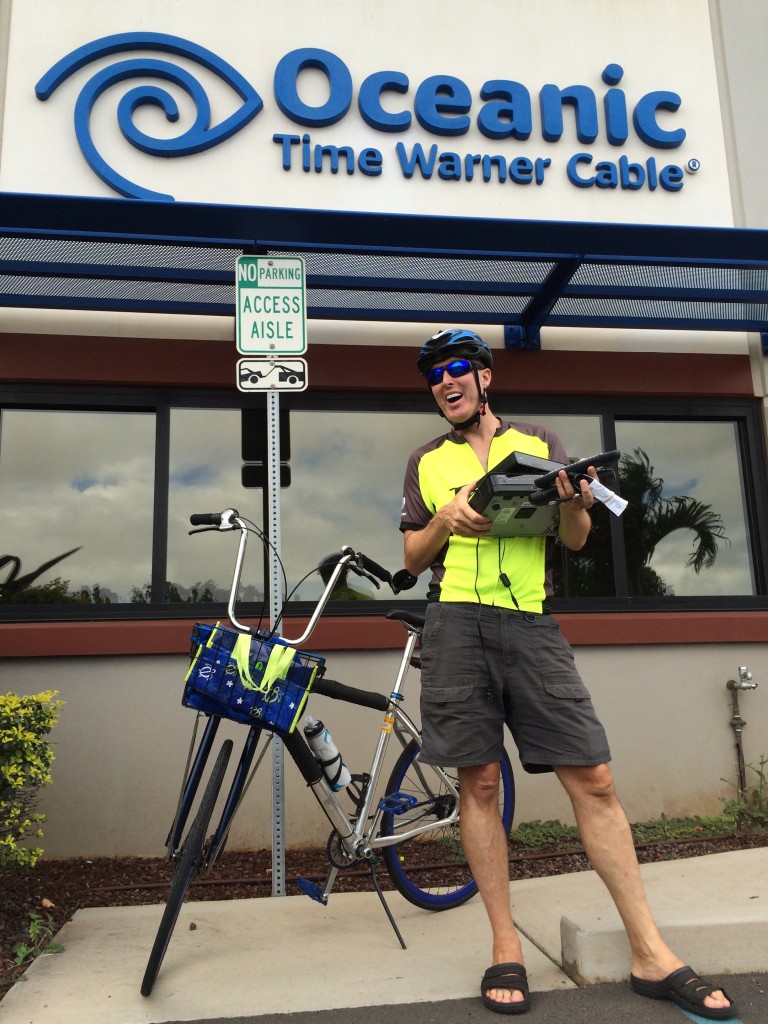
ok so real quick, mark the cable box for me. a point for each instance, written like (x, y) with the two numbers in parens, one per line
(502, 495)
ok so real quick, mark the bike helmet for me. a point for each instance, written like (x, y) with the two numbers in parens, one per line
(453, 344)
(458, 344)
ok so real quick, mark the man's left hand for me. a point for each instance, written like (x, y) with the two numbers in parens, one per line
(571, 497)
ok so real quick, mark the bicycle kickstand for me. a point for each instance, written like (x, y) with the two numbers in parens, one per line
(387, 911)
(320, 895)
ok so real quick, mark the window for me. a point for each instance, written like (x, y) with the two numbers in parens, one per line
(204, 476)
(96, 490)
(688, 531)
(76, 501)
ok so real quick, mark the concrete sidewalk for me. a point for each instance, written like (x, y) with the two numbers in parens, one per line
(242, 958)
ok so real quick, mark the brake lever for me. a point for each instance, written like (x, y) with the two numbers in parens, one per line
(361, 572)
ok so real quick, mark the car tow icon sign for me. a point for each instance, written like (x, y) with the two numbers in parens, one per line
(276, 374)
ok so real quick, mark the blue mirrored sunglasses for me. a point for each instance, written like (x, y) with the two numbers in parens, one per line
(456, 368)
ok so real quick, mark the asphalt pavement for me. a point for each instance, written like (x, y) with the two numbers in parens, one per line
(289, 960)
(595, 1004)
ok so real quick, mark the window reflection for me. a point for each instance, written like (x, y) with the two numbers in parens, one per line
(205, 476)
(77, 493)
(573, 573)
(685, 530)
(347, 486)
(78, 484)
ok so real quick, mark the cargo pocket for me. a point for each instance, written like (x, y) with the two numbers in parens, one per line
(458, 693)
(566, 689)
(447, 657)
(556, 665)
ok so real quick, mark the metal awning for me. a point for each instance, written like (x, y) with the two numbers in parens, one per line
(123, 254)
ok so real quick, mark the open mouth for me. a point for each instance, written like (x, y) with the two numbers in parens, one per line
(453, 396)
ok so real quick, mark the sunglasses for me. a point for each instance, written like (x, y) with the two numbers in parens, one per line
(456, 368)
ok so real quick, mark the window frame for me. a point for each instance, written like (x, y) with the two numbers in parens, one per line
(745, 413)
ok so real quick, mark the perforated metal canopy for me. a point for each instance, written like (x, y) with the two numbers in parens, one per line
(123, 254)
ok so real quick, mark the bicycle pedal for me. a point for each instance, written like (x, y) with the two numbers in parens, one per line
(397, 803)
(312, 889)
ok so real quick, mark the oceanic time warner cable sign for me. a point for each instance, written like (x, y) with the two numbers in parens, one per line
(304, 106)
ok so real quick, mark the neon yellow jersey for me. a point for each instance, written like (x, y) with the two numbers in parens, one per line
(471, 569)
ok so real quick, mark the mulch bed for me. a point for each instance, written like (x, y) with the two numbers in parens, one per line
(69, 885)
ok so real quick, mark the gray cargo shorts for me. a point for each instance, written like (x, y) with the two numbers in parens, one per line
(484, 666)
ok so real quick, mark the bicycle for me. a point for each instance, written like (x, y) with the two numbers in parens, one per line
(413, 825)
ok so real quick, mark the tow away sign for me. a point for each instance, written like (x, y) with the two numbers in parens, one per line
(272, 374)
(271, 305)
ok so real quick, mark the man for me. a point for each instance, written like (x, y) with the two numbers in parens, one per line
(491, 654)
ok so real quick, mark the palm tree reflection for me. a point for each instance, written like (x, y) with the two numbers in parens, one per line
(647, 521)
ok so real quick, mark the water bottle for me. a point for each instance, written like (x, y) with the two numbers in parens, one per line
(326, 754)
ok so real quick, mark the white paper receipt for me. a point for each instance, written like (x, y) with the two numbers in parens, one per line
(608, 498)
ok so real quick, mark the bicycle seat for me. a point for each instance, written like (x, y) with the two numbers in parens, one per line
(413, 619)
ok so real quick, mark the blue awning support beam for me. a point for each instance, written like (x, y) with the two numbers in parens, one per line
(64, 252)
(527, 334)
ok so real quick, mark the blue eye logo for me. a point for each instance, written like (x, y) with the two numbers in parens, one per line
(200, 136)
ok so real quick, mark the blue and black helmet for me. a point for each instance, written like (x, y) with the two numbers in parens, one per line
(454, 344)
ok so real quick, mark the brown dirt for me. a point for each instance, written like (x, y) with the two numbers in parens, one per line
(68, 885)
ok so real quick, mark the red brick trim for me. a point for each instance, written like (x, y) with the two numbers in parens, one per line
(110, 639)
(162, 362)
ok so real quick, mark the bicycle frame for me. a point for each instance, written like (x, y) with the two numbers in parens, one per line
(397, 722)
(358, 835)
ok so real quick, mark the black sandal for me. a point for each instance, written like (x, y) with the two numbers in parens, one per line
(685, 988)
(510, 976)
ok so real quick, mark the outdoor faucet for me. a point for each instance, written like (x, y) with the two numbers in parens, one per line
(745, 680)
(737, 722)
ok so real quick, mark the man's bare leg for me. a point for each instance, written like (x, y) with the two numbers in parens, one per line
(608, 843)
(485, 845)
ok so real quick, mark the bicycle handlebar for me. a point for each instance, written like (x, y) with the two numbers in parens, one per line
(214, 520)
(205, 518)
(351, 694)
(370, 568)
(357, 562)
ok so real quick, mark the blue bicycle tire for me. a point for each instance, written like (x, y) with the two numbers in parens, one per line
(431, 871)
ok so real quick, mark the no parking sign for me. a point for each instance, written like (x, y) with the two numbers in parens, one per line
(271, 307)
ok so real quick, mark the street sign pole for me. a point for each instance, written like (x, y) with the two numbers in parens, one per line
(275, 609)
(271, 325)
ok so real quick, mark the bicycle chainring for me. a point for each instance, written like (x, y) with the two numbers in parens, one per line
(338, 856)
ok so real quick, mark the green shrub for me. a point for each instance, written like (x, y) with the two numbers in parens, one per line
(26, 756)
(537, 834)
(748, 810)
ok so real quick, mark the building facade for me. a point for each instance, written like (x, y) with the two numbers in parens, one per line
(413, 130)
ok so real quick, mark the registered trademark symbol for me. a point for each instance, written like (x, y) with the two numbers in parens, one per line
(694, 165)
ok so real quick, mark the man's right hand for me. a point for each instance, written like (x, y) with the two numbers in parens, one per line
(460, 518)
(456, 517)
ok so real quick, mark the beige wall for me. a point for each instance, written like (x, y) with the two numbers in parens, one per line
(123, 735)
(740, 28)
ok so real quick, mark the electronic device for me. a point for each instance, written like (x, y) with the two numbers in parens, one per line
(520, 497)
(503, 495)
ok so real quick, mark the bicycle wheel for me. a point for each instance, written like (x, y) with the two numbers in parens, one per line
(186, 866)
(431, 870)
